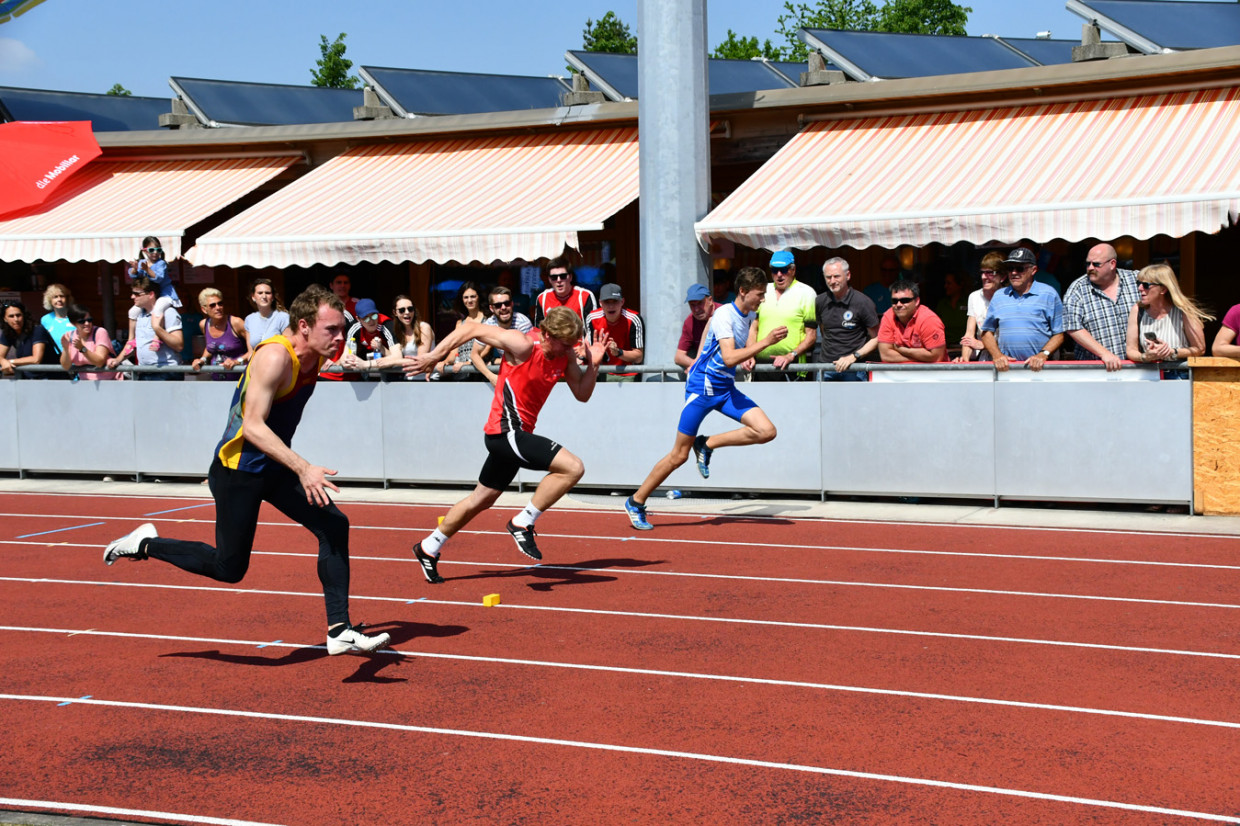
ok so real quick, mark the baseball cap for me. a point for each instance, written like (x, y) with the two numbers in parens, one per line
(609, 292)
(696, 292)
(1020, 255)
(782, 258)
(365, 307)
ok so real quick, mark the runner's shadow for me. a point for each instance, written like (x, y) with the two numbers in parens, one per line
(548, 575)
(740, 519)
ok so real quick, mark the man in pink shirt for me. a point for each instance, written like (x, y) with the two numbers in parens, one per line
(908, 331)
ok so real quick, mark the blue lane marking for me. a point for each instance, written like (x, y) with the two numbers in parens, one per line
(70, 702)
(412, 601)
(58, 530)
(174, 510)
(273, 642)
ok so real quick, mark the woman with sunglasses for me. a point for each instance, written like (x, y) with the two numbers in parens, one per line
(469, 308)
(1165, 324)
(86, 345)
(227, 343)
(994, 276)
(269, 317)
(413, 336)
(22, 341)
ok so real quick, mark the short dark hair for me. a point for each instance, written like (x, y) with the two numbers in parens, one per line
(144, 284)
(749, 278)
(76, 313)
(561, 263)
(903, 285)
(306, 306)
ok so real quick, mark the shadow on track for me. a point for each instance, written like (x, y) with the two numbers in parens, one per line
(548, 575)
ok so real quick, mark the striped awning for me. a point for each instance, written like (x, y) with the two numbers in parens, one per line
(469, 199)
(106, 209)
(1135, 166)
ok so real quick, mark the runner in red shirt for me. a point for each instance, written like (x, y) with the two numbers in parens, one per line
(532, 365)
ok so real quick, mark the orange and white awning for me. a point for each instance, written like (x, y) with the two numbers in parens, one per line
(106, 209)
(461, 199)
(1135, 166)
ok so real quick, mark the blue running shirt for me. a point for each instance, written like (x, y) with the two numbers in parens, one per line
(708, 375)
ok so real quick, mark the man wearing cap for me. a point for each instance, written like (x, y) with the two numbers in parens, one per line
(367, 341)
(701, 308)
(1025, 319)
(790, 304)
(847, 323)
(623, 327)
(1096, 308)
(909, 330)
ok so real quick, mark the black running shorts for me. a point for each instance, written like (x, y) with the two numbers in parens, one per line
(511, 451)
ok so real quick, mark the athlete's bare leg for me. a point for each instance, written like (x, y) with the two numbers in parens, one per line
(755, 429)
(663, 468)
(465, 510)
(566, 471)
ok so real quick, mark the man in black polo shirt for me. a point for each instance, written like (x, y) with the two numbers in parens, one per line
(847, 323)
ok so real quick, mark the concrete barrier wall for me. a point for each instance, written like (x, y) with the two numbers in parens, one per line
(1058, 435)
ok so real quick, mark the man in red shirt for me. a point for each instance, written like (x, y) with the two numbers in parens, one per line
(624, 329)
(563, 293)
(532, 365)
(701, 308)
(908, 331)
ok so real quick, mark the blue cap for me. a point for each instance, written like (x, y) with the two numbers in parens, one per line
(696, 292)
(783, 258)
(365, 307)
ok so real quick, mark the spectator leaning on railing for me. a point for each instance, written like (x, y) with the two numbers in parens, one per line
(157, 337)
(910, 331)
(85, 345)
(1025, 320)
(22, 341)
(1166, 325)
(1225, 340)
(1096, 307)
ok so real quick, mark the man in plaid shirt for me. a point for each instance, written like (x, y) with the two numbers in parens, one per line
(1096, 307)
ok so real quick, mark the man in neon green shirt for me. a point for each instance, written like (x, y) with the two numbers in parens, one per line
(788, 303)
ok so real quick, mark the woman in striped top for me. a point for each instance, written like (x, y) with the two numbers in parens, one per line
(1165, 324)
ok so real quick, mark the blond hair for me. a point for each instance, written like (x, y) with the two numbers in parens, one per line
(1164, 276)
(56, 288)
(563, 324)
(209, 293)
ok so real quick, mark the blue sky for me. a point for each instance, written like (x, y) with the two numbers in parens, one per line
(88, 45)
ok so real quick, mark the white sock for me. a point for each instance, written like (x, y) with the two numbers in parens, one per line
(527, 517)
(433, 543)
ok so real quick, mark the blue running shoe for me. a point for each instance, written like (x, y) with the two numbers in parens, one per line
(702, 453)
(637, 515)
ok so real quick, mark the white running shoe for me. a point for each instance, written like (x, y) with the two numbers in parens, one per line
(352, 639)
(130, 545)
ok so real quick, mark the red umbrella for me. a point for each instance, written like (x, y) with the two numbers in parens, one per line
(36, 158)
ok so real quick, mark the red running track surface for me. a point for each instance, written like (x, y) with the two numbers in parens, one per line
(716, 669)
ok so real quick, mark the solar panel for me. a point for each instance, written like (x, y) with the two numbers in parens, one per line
(1154, 26)
(866, 55)
(1047, 52)
(266, 104)
(616, 74)
(107, 113)
(461, 93)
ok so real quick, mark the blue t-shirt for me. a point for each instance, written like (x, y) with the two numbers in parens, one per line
(1024, 323)
(708, 375)
(56, 328)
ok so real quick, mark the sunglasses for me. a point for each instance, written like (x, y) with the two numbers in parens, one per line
(403, 310)
(903, 300)
(215, 304)
(989, 272)
(137, 295)
(1145, 285)
(559, 276)
(1095, 264)
(154, 250)
(780, 269)
(501, 304)
(87, 320)
(371, 317)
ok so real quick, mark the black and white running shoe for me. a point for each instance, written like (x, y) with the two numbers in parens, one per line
(130, 545)
(702, 453)
(524, 537)
(351, 638)
(430, 565)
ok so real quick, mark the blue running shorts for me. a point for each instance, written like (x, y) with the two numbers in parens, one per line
(732, 404)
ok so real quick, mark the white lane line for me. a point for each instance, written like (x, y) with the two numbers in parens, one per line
(680, 511)
(715, 543)
(651, 672)
(842, 583)
(112, 810)
(667, 753)
(648, 615)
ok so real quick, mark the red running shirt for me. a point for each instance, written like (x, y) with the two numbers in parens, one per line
(521, 391)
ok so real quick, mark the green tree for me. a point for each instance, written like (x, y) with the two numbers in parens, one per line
(736, 47)
(333, 71)
(609, 34)
(923, 17)
(860, 15)
(118, 91)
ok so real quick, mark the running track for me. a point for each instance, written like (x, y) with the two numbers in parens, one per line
(715, 670)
